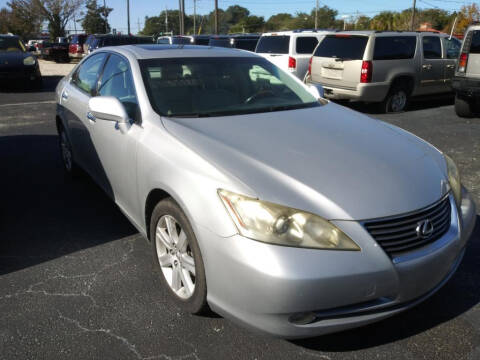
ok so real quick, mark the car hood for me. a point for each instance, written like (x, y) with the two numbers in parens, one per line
(328, 160)
(11, 58)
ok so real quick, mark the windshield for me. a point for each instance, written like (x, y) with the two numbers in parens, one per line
(220, 42)
(342, 47)
(181, 40)
(203, 87)
(273, 45)
(11, 44)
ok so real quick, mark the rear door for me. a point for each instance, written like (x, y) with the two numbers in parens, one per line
(433, 64)
(303, 51)
(337, 61)
(451, 51)
(275, 48)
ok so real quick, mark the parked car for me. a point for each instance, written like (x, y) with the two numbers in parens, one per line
(466, 82)
(176, 40)
(384, 67)
(101, 41)
(220, 41)
(76, 49)
(303, 217)
(290, 50)
(200, 39)
(57, 52)
(244, 41)
(16, 64)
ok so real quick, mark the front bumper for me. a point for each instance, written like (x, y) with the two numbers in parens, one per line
(26, 73)
(269, 288)
(373, 92)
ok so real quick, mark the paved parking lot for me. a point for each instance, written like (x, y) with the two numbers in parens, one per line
(77, 281)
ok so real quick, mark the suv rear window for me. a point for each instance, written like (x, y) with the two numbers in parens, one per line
(475, 44)
(273, 44)
(343, 47)
(394, 47)
(76, 39)
(306, 44)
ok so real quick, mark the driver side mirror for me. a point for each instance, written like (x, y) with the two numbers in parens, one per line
(107, 108)
(316, 90)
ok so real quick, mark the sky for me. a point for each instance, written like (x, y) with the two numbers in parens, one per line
(141, 8)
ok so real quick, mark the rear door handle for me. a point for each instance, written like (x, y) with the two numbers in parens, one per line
(427, 66)
(91, 117)
(450, 66)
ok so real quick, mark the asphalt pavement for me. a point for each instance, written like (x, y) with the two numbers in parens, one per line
(78, 282)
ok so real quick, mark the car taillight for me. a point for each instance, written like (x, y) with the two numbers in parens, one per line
(366, 73)
(292, 63)
(462, 63)
(310, 66)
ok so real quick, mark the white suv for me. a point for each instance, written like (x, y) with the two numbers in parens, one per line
(290, 50)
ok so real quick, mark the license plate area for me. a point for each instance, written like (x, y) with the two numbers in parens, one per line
(332, 73)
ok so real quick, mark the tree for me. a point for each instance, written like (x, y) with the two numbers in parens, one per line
(383, 21)
(57, 12)
(95, 20)
(278, 22)
(21, 20)
(362, 22)
(156, 25)
(235, 15)
(250, 24)
(326, 17)
(468, 14)
(4, 20)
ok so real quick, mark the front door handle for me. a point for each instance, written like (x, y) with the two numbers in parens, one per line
(450, 66)
(91, 117)
(64, 95)
(427, 66)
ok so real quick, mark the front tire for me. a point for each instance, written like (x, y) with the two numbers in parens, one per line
(463, 107)
(70, 167)
(177, 257)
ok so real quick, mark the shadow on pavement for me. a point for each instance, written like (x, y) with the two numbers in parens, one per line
(419, 103)
(49, 84)
(43, 215)
(458, 296)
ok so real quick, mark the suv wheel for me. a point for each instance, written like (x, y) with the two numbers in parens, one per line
(463, 107)
(396, 100)
(177, 257)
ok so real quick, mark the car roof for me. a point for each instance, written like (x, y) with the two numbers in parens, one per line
(154, 51)
(298, 32)
(387, 33)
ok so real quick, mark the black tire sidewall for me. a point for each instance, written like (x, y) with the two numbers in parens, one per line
(463, 107)
(388, 101)
(197, 303)
(73, 172)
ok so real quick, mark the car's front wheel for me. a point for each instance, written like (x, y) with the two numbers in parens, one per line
(177, 256)
(66, 152)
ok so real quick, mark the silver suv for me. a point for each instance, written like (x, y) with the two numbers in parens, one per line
(384, 67)
(466, 82)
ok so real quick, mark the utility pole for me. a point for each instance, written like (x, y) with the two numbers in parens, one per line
(412, 26)
(128, 16)
(216, 17)
(104, 17)
(194, 17)
(316, 16)
(138, 23)
(166, 18)
(181, 4)
(183, 17)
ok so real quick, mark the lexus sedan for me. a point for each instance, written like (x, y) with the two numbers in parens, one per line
(278, 209)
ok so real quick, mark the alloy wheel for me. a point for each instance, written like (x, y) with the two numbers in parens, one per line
(175, 256)
(398, 101)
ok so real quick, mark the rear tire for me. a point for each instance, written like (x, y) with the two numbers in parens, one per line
(180, 267)
(396, 99)
(463, 107)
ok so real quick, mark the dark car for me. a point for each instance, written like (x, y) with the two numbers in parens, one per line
(220, 41)
(100, 41)
(245, 41)
(200, 39)
(17, 64)
(75, 49)
(57, 52)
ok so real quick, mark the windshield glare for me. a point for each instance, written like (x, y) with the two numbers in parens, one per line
(201, 87)
(11, 44)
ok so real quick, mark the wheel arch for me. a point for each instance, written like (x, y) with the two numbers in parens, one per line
(407, 79)
(153, 198)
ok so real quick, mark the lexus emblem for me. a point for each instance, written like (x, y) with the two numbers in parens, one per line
(424, 229)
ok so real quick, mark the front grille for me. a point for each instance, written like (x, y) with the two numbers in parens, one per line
(399, 234)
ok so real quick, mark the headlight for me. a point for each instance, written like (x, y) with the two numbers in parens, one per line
(454, 180)
(29, 60)
(276, 224)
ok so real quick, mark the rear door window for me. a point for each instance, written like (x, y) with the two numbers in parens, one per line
(345, 47)
(273, 45)
(452, 47)
(394, 47)
(432, 49)
(306, 44)
(475, 44)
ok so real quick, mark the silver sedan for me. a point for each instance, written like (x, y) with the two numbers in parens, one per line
(282, 211)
